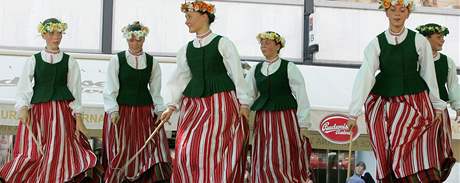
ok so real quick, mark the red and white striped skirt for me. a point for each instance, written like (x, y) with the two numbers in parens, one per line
(65, 155)
(279, 153)
(123, 140)
(404, 137)
(446, 158)
(211, 140)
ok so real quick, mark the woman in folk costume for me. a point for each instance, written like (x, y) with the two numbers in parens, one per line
(132, 102)
(402, 105)
(281, 105)
(211, 95)
(49, 144)
(449, 90)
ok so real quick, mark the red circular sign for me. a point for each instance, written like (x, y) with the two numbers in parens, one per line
(334, 129)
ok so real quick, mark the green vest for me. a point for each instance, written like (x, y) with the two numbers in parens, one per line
(442, 69)
(133, 82)
(399, 73)
(209, 75)
(50, 80)
(274, 89)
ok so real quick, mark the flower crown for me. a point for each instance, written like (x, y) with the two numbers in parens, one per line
(385, 4)
(136, 29)
(270, 35)
(51, 25)
(429, 29)
(199, 6)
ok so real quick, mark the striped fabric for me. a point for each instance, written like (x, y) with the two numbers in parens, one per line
(65, 156)
(404, 137)
(211, 140)
(446, 158)
(135, 126)
(430, 175)
(279, 154)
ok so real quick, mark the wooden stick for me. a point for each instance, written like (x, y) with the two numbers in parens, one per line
(152, 135)
(349, 154)
(39, 147)
(117, 141)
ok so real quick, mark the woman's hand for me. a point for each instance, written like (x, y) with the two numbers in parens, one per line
(244, 112)
(80, 126)
(114, 117)
(24, 115)
(166, 115)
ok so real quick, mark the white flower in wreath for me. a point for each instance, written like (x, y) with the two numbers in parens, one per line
(138, 34)
(393, 3)
(190, 7)
(407, 2)
(51, 27)
(272, 36)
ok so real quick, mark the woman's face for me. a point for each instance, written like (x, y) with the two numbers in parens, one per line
(269, 48)
(195, 21)
(136, 45)
(436, 41)
(53, 39)
(397, 15)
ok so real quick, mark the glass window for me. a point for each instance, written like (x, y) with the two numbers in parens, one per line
(344, 33)
(330, 166)
(292, 2)
(451, 4)
(20, 19)
(240, 22)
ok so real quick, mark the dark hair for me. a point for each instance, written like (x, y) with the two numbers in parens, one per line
(281, 46)
(51, 20)
(211, 17)
(361, 164)
(136, 26)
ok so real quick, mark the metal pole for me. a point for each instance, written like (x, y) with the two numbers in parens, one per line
(308, 9)
(107, 23)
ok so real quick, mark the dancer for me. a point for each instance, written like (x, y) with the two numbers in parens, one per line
(403, 109)
(211, 95)
(449, 90)
(132, 102)
(281, 105)
(49, 144)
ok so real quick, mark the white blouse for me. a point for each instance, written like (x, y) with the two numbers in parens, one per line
(26, 82)
(182, 75)
(296, 83)
(112, 84)
(366, 76)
